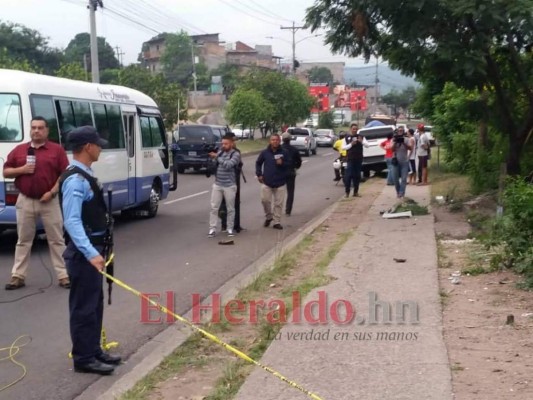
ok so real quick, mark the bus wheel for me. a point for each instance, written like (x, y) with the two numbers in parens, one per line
(152, 205)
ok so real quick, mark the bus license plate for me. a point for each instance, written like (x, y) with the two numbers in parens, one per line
(192, 153)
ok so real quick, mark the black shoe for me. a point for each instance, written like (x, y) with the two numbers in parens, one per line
(267, 222)
(96, 367)
(278, 226)
(109, 359)
(336, 179)
(356, 195)
(288, 213)
(347, 195)
(239, 229)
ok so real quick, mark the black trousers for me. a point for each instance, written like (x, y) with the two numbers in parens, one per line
(86, 306)
(353, 175)
(291, 184)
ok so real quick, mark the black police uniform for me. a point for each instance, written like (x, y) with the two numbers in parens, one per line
(293, 163)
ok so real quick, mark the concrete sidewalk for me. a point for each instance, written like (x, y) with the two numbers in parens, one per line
(363, 360)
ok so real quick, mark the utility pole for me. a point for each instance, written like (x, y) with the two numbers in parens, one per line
(95, 66)
(119, 55)
(376, 88)
(294, 29)
(85, 66)
(194, 75)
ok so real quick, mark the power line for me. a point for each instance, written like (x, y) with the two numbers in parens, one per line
(268, 11)
(131, 20)
(256, 11)
(247, 13)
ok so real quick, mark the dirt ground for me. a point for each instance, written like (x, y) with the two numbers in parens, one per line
(489, 358)
(198, 380)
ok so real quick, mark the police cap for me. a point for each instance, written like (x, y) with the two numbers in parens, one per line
(84, 135)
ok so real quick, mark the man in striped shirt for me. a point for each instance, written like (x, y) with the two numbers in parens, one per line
(225, 186)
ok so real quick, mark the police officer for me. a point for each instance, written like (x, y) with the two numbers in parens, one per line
(86, 221)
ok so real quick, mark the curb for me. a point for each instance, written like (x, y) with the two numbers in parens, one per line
(151, 354)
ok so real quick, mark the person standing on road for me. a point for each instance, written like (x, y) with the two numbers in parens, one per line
(294, 162)
(387, 146)
(36, 167)
(271, 172)
(353, 144)
(225, 186)
(87, 226)
(422, 152)
(412, 156)
(339, 172)
(223, 211)
(401, 147)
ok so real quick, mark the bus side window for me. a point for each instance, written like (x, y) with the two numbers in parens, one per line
(158, 132)
(82, 113)
(65, 117)
(44, 107)
(116, 129)
(146, 132)
(108, 120)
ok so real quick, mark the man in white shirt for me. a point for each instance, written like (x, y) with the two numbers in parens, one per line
(422, 152)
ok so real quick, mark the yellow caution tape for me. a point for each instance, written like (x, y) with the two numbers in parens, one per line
(206, 334)
(13, 351)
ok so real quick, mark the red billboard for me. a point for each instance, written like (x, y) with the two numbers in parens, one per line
(320, 91)
(358, 100)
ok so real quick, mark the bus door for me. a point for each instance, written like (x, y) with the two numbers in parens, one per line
(129, 127)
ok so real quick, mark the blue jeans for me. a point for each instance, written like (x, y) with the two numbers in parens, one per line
(400, 171)
(390, 180)
(353, 174)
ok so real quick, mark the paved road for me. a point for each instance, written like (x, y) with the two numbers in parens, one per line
(168, 253)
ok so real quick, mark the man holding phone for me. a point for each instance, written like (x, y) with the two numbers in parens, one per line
(271, 171)
(353, 144)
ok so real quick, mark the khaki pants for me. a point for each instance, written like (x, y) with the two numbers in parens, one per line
(28, 210)
(217, 194)
(266, 198)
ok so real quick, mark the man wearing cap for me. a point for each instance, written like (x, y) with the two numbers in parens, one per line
(86, 220)
(294, 162)
(36, 167)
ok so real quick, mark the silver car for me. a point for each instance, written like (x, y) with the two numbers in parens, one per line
(325, 137)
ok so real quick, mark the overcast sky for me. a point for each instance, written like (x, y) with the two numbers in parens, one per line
(128, 23)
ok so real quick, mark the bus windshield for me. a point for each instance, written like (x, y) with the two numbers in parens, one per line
(10, 118)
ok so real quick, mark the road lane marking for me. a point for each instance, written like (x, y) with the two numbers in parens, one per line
(186, 197)
(327, 154)
(304, 161)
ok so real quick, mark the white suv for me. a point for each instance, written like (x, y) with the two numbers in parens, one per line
(374, 155)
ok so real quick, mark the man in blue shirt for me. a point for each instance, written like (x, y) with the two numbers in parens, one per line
(86, 220)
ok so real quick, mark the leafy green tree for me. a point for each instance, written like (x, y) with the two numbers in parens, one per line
(177, 58)
(320, 75)
(231, 77)
(248, 107)
(326, 120)
(290, 99)
(403, 99)
(7, 62)
(72, 71)
(167, 96)
(80, 47)
(109, 75)
(22, 43)
(203, 77)
(476, 44)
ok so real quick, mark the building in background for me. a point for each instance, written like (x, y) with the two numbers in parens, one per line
(336, 68)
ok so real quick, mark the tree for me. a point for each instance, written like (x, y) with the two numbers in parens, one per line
(289, 99)
(177, 58)
(24, 44)
(320, 75)
(326, 120)
(403, 99)
(203, 77)
(167, 96)
(72, 71)
(9, 63)
(230, 77)
(80, 47)
(484, 45)
(248, 107)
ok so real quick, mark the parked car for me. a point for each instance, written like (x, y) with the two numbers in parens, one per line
(374, 155)
(303, 139)
(312, 121)
(325, 137)
(194, 142)
(241, 133)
